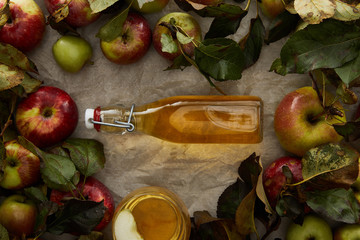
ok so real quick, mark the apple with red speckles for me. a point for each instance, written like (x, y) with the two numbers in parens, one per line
(47, 116)
(301, 122)
(25, 27)
(133, 43)
(274, 179)
(184, 21)
(93, 190)
(22, 167)
(79, 14)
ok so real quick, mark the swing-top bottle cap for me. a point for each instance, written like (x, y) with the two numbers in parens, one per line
(89, 115)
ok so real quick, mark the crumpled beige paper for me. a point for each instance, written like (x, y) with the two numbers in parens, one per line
(198, 173)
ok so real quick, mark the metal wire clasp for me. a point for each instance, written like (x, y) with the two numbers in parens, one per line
(127, 125)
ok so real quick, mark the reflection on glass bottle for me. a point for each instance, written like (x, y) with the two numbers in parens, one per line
(186, 119)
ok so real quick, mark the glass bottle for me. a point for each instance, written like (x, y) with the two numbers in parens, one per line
(158, 212)
(186, 119)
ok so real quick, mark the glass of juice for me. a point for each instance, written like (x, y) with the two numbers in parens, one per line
(158, 212)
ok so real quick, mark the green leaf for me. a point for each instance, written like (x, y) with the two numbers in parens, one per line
(4, 14)
(77, 216)
(92, 236)
(282, 26)
(230, 199)
(168, 44)
(179, 62)
(210, 228)
(278, 67)
(57, 171)
(113, 28)
(337, 204)
(4, 235)
(244, 218)
(227, 19)
(87, 154)
(329, 44)
(35, 193)
(183, 39)
(250, 172)
(350, 130)
(329, 158)
(221, 58)
(349, 71)
(290, 207)
(252, 43)
(30, 84)
(100, 5)
(11, 56)
(10, 77)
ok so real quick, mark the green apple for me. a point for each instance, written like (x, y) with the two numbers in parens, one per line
(347, 232)
(187, 23)
(301, 122)
(313, 228)
(271, 8)
(22, 167)
(148, 6)
(18, 215)
(72, 53)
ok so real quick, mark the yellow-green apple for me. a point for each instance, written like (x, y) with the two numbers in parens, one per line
(133, 43)
(18, 215)
(71, 53)
(47, 116)
(271, 8)
(26, 26)
(151, 6)
(93, 190)
(301, 122)
(274, 179)
(22, 167)
(79, 11)
(347, 232)
(312, 228)
(186, 23)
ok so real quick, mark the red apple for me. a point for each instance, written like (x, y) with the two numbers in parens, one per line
(302, 123)
(133, 43)
(18, 215)
(93, 190)
(274, 179)
(80, 13)
(26, 26)
(47, 116)
(148, 6)
(187, 23)
(22, 168)
(271, 8)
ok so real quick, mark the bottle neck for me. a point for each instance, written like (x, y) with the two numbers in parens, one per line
(116, 119)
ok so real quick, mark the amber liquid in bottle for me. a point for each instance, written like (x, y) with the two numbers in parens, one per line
(194, 119)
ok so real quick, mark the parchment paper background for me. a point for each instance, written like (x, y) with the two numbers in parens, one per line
(198, 173)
